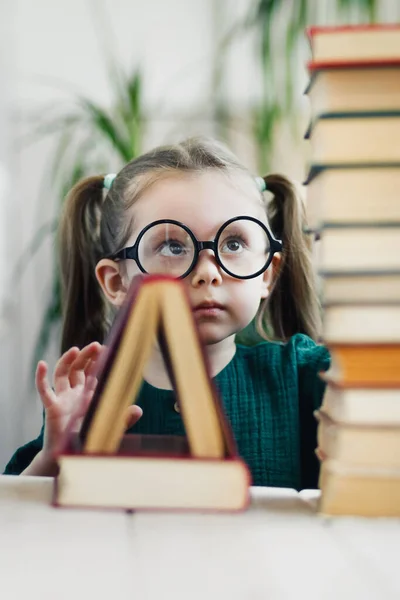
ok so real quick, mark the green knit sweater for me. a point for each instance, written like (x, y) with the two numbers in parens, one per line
(269, 392)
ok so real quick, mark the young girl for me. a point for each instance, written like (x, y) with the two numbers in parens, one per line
(193, 211)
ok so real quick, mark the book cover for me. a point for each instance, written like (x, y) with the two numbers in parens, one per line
(359, 444)
(362, 168)
(359, 491)
(361, 323)
(370, 43)
(314, 30)
(362, 247)
(368, 403)
(364, 364)
(361, 116)
(354, 89)
(358, 287)
(315, 67)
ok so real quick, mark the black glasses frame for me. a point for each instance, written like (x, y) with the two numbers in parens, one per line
(132, 251)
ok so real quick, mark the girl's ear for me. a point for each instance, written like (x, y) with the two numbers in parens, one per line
(109, 276)
(270, 276)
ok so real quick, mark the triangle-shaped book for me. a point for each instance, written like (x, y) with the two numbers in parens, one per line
(104, 467)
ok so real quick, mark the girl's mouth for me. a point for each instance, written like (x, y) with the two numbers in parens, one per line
(208, 309)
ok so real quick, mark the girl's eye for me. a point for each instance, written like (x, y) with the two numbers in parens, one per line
(171, 248)
(233, 245)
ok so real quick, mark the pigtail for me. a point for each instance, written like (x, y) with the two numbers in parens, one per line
(293, 306)
(84, 306)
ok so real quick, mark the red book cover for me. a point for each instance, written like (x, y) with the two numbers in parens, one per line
(111, 347)
(315, 29)
(314, 66)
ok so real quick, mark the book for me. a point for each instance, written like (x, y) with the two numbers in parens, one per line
(352, 194)
(363, 43)
(353, 209)
(364, 365)
(102, 466)
(362, 491)
(357, 288)
(354, 88)
(359, 247)
(359, 444)
(148, 482)
(354, 138)
(361, 405)
(156, 302)
(361, 323)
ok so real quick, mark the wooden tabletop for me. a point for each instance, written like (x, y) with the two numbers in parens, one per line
(278, 549)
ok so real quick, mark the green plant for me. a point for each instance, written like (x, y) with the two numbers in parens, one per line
(283, 49)
(89, 139)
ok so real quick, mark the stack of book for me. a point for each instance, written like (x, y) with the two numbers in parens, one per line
(104, 467)
(353, 204)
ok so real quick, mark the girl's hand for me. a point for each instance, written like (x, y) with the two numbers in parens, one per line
(74, 384)
(73, 387)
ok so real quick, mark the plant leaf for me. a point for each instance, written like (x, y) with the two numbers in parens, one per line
(107, 128)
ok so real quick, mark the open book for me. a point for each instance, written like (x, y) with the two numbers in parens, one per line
(103, 466)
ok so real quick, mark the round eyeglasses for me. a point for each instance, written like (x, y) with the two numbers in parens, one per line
(243, 248)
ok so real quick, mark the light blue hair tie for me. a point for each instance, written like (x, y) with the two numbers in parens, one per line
(262, 186)
(108, 180)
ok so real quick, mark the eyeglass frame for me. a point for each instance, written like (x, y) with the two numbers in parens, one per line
(131, 252)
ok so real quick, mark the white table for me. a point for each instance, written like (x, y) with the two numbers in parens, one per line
(278, 549)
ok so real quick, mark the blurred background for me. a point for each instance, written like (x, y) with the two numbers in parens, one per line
(85, 85)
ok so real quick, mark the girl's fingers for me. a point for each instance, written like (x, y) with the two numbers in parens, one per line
(91, 380)
(62, 369)
(88, 388)
(82, 362)
(90, 352)
(91, 366)
(84, 402)
(77, 373)
(43, 387)
(320, 454)
(133, 415)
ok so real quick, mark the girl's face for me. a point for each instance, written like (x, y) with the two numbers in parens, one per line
(222, 305)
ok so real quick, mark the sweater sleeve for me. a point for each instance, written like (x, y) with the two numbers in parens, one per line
(24, 455)
(311, 360)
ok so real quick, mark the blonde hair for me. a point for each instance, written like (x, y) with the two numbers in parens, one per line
(95, 225)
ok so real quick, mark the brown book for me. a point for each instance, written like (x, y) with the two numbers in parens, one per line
(365, 405)
(359, 445)
(359, 247)
(364, 365)
(347, 194)
(359, 491)
(103, 467)
(358, 288)
(354, 88)
(355, 138)
(361, 324)
(366, 44)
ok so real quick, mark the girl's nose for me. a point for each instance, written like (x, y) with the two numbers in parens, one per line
(207, 270)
